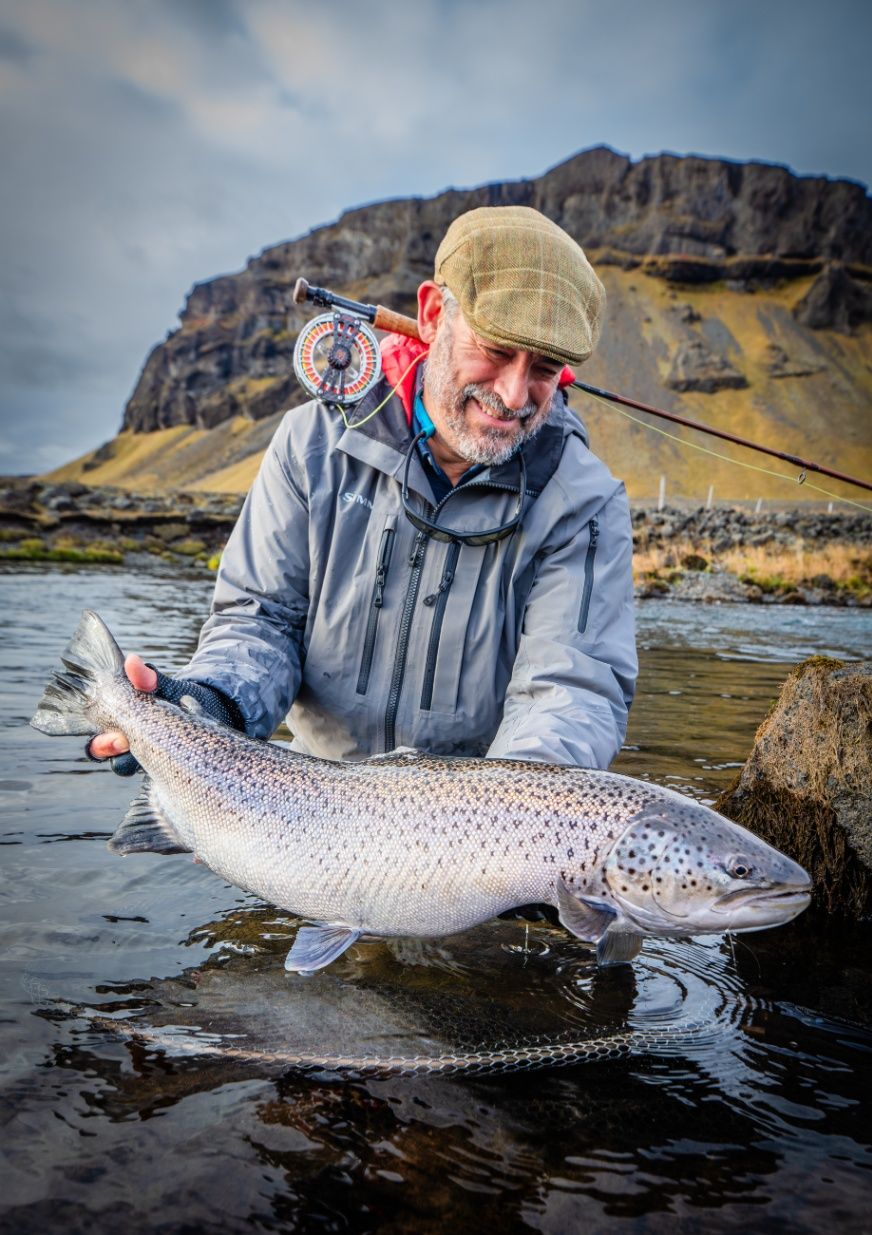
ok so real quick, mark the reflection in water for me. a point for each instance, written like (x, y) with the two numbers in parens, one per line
(442, 1006)
(745, 1112)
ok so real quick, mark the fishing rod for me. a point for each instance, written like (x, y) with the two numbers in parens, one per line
(337, 359)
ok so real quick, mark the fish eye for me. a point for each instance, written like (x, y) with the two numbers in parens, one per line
(739, 868)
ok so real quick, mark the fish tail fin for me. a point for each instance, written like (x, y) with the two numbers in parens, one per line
(91, 654)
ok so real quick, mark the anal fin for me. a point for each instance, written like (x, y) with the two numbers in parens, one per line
(146, 827)
(316, 946)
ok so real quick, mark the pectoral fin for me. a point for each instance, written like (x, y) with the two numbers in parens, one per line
(594, 922)
(587, 918)
(316, 946)
(618, 947)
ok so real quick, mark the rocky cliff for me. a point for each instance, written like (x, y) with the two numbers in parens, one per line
(739, 293)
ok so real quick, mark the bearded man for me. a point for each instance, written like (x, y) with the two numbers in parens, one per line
(453, 571)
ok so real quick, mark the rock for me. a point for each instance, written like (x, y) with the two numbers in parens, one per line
(807, 785)
(695, 366)
(716, 588)
(694, 561)
(835, 301)
(686, 313)
(171, 531)
(778, 364)
(60, 502)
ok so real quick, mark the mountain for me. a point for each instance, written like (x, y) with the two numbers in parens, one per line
(739, 294)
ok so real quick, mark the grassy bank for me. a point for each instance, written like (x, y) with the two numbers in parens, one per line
(842, 572)
(84, 551)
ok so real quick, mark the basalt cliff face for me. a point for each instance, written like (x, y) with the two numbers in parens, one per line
(740, 294)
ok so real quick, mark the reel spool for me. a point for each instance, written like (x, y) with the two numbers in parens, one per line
(337, 358)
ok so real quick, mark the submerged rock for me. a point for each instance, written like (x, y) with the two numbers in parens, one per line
(807, 785)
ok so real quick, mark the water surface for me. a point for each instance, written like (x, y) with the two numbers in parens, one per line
(727, 1094)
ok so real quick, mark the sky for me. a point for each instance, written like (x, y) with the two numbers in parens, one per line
(147, 145)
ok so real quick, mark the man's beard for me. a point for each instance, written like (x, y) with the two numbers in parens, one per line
(488, 446)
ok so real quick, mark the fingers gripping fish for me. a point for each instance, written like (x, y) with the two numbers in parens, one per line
(412, 845)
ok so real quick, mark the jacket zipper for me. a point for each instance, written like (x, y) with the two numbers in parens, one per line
(588, 575)
(416, 561)
(378, 598)
(439, 599)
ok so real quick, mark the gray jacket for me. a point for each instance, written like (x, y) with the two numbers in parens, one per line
(330, 604)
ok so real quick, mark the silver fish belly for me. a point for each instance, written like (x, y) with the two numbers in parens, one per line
(409, 844)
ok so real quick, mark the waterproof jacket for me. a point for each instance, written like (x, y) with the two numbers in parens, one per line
(330, 604)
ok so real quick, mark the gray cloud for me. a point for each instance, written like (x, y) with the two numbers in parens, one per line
(150, 146)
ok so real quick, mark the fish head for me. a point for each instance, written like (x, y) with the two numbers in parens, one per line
(680, 868)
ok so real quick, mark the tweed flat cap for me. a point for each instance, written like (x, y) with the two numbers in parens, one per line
(523, 282)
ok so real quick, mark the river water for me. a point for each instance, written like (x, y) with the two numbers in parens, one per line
(712, 1086)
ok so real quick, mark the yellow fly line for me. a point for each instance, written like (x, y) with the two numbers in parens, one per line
(753, 467)
(357, 423)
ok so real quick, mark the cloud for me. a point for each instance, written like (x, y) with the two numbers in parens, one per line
(149, 146)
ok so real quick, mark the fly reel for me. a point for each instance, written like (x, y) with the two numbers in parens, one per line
(337, 359)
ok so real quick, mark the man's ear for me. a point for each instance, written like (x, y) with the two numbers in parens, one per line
(429, 310)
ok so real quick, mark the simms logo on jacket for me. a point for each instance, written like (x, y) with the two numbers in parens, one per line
(351, 498)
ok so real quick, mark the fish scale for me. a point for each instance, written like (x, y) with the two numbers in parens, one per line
(411, 844)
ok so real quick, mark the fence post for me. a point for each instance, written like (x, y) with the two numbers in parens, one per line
(661, 501)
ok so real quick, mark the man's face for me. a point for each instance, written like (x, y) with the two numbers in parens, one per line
(483, 398)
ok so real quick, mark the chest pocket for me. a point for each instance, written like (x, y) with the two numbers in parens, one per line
(462, 631)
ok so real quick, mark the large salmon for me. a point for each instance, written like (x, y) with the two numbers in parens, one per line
(408, 844)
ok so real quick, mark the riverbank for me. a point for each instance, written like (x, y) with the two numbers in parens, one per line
(800, 556)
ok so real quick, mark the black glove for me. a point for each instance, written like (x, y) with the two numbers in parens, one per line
(213, 702)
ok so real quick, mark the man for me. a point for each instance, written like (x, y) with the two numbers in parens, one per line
(452, 572)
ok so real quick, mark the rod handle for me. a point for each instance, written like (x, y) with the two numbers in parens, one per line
(301, 287)
(397, 323)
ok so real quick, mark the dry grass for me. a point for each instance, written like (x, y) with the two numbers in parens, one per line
(771, 567)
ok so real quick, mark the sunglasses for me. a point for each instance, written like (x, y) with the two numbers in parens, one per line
(439, 532)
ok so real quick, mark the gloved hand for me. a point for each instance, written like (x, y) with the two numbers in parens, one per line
(213, 702)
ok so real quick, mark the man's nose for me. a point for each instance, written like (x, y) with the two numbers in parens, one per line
(513, 384)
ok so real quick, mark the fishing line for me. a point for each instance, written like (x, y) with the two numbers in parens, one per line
(357, 423)
(801, 479)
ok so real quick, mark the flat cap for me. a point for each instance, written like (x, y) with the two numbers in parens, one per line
(522, 281)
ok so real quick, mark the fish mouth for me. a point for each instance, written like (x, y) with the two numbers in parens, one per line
(788, 900)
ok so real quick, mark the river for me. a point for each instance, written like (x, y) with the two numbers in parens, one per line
(715, 1085)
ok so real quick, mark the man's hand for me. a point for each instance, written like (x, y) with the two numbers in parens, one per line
(113, 745)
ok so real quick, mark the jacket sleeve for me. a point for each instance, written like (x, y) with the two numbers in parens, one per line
(250, 647)
(575, 671)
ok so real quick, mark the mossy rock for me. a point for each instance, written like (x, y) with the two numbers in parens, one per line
(84, 557)
(807, 785)
(188, 548)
